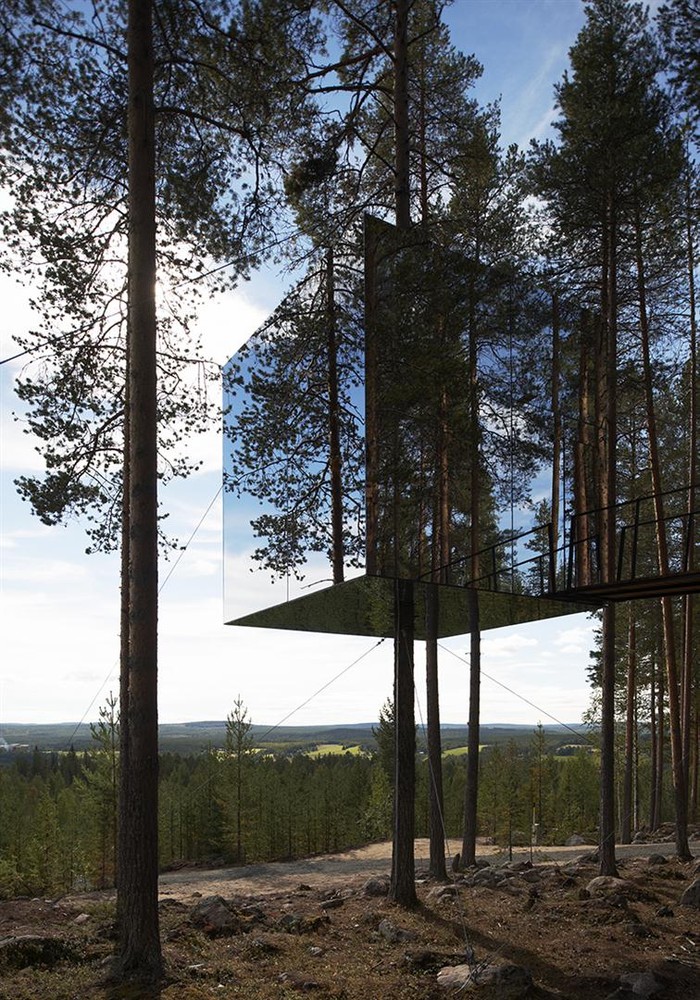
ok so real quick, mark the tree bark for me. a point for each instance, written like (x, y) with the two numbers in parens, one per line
(653, 737)
(678, 762)
(689, 601)
(630, 730)
(582, 504)
(437, 809)
(660, 748)
(401, 123)
(337, 550)
(471, 791)
(403, 886)
(371, 399)
(556, 433)
(607, 445)
(138, 948)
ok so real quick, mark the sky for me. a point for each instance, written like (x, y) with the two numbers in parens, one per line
(59, 607)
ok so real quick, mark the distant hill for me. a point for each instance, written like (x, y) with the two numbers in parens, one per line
(194, 737)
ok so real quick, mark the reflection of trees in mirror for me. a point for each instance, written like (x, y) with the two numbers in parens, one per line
(293, 430)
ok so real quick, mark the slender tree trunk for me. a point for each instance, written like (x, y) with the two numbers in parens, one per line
(630, 730)
(437, 808)
(695, 765)
(660, 748)
(582, 504)
(124, 773)
(678, 768)
(653, 752)
(401, 123)
(556, 430)
(334, 427)
(138, 949)
(693, 466)
(403, 887)
(607, 431)
(471, 791)
(371, 399)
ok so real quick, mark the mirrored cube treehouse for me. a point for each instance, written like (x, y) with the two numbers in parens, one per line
(384, 425)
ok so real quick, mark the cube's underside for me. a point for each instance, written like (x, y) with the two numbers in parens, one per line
(365, 606)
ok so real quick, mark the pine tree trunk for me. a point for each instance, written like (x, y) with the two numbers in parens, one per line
(371, 399)
(653, 738)
(582, 504)
(471, 791)
(124, 773)
(403, 887)
(401, 122)
(556, 432)
(630, 731)
(678, 762)
(607, 445)
(660, 748)
(338, 556)
(693, 466)
(138, 949)
(437, 809)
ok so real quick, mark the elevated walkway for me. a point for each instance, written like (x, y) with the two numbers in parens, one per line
(515, 586)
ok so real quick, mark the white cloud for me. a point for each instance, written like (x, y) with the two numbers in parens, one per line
(507, 645)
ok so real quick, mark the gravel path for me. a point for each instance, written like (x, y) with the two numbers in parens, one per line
(351, 868)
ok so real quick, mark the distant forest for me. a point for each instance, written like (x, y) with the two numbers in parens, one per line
(236, 801)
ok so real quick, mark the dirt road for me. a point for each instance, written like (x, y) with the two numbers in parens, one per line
(350, 869)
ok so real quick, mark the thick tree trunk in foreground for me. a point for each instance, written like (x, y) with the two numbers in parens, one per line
(403, 886)
(471, 791)
(138, 948)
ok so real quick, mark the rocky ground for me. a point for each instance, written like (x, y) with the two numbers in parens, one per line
(542, 928)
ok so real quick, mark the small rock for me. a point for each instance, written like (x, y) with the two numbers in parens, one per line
(315, 951)
(393, 934)
(426, 960)
(82, 918)
(303, 887)
(531, 876)
(293, 923)
(263, 945)
(506, 979)
(641, 984)
(215, 917)
(298, 981)
(603, 884)
(575, 840)
(442, 892)
(455, 977)
(691, 896)
(378, 885)
(332, 904)
(657, 859)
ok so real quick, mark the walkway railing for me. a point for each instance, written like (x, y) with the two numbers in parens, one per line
(575, 567)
